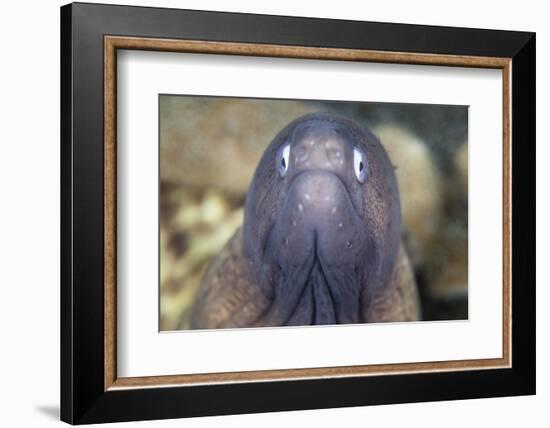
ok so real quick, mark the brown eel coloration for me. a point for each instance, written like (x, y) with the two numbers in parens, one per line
(321, 240)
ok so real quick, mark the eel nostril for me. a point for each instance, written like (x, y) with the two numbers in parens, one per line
(301, 153)
(334, 155)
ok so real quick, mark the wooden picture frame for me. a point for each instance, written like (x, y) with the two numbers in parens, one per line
(90, 389)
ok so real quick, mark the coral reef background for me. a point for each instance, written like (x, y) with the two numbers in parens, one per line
(210, 146)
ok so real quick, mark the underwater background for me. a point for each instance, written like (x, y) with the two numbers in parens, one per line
(209, 149)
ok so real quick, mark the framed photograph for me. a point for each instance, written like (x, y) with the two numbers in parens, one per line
(265, 213)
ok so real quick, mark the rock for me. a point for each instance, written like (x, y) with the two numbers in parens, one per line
(195, 225)
(461, 167)
(208, 141)
(447, 274)
(420, 189)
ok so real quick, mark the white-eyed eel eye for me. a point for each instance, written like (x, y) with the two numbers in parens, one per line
(359, 165)
(283, 159)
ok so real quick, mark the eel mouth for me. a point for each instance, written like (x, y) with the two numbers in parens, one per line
(315, 252)
(314, 292)
(323, 297)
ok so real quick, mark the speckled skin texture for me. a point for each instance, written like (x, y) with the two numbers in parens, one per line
(321, 240)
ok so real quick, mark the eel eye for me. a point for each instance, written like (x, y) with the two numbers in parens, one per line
(359, 165)
(283, 160)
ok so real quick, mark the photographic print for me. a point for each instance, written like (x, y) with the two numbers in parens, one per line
(277, 212)
(292, 183)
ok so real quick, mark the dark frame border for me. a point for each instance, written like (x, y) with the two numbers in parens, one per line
(83, 398)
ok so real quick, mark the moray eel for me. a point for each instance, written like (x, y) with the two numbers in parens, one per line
(321, 239)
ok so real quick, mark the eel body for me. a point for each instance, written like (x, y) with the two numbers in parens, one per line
(321, 239)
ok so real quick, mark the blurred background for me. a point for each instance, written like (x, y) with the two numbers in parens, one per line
(210, 146)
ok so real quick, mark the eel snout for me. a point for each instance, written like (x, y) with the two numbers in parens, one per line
(319, 217)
